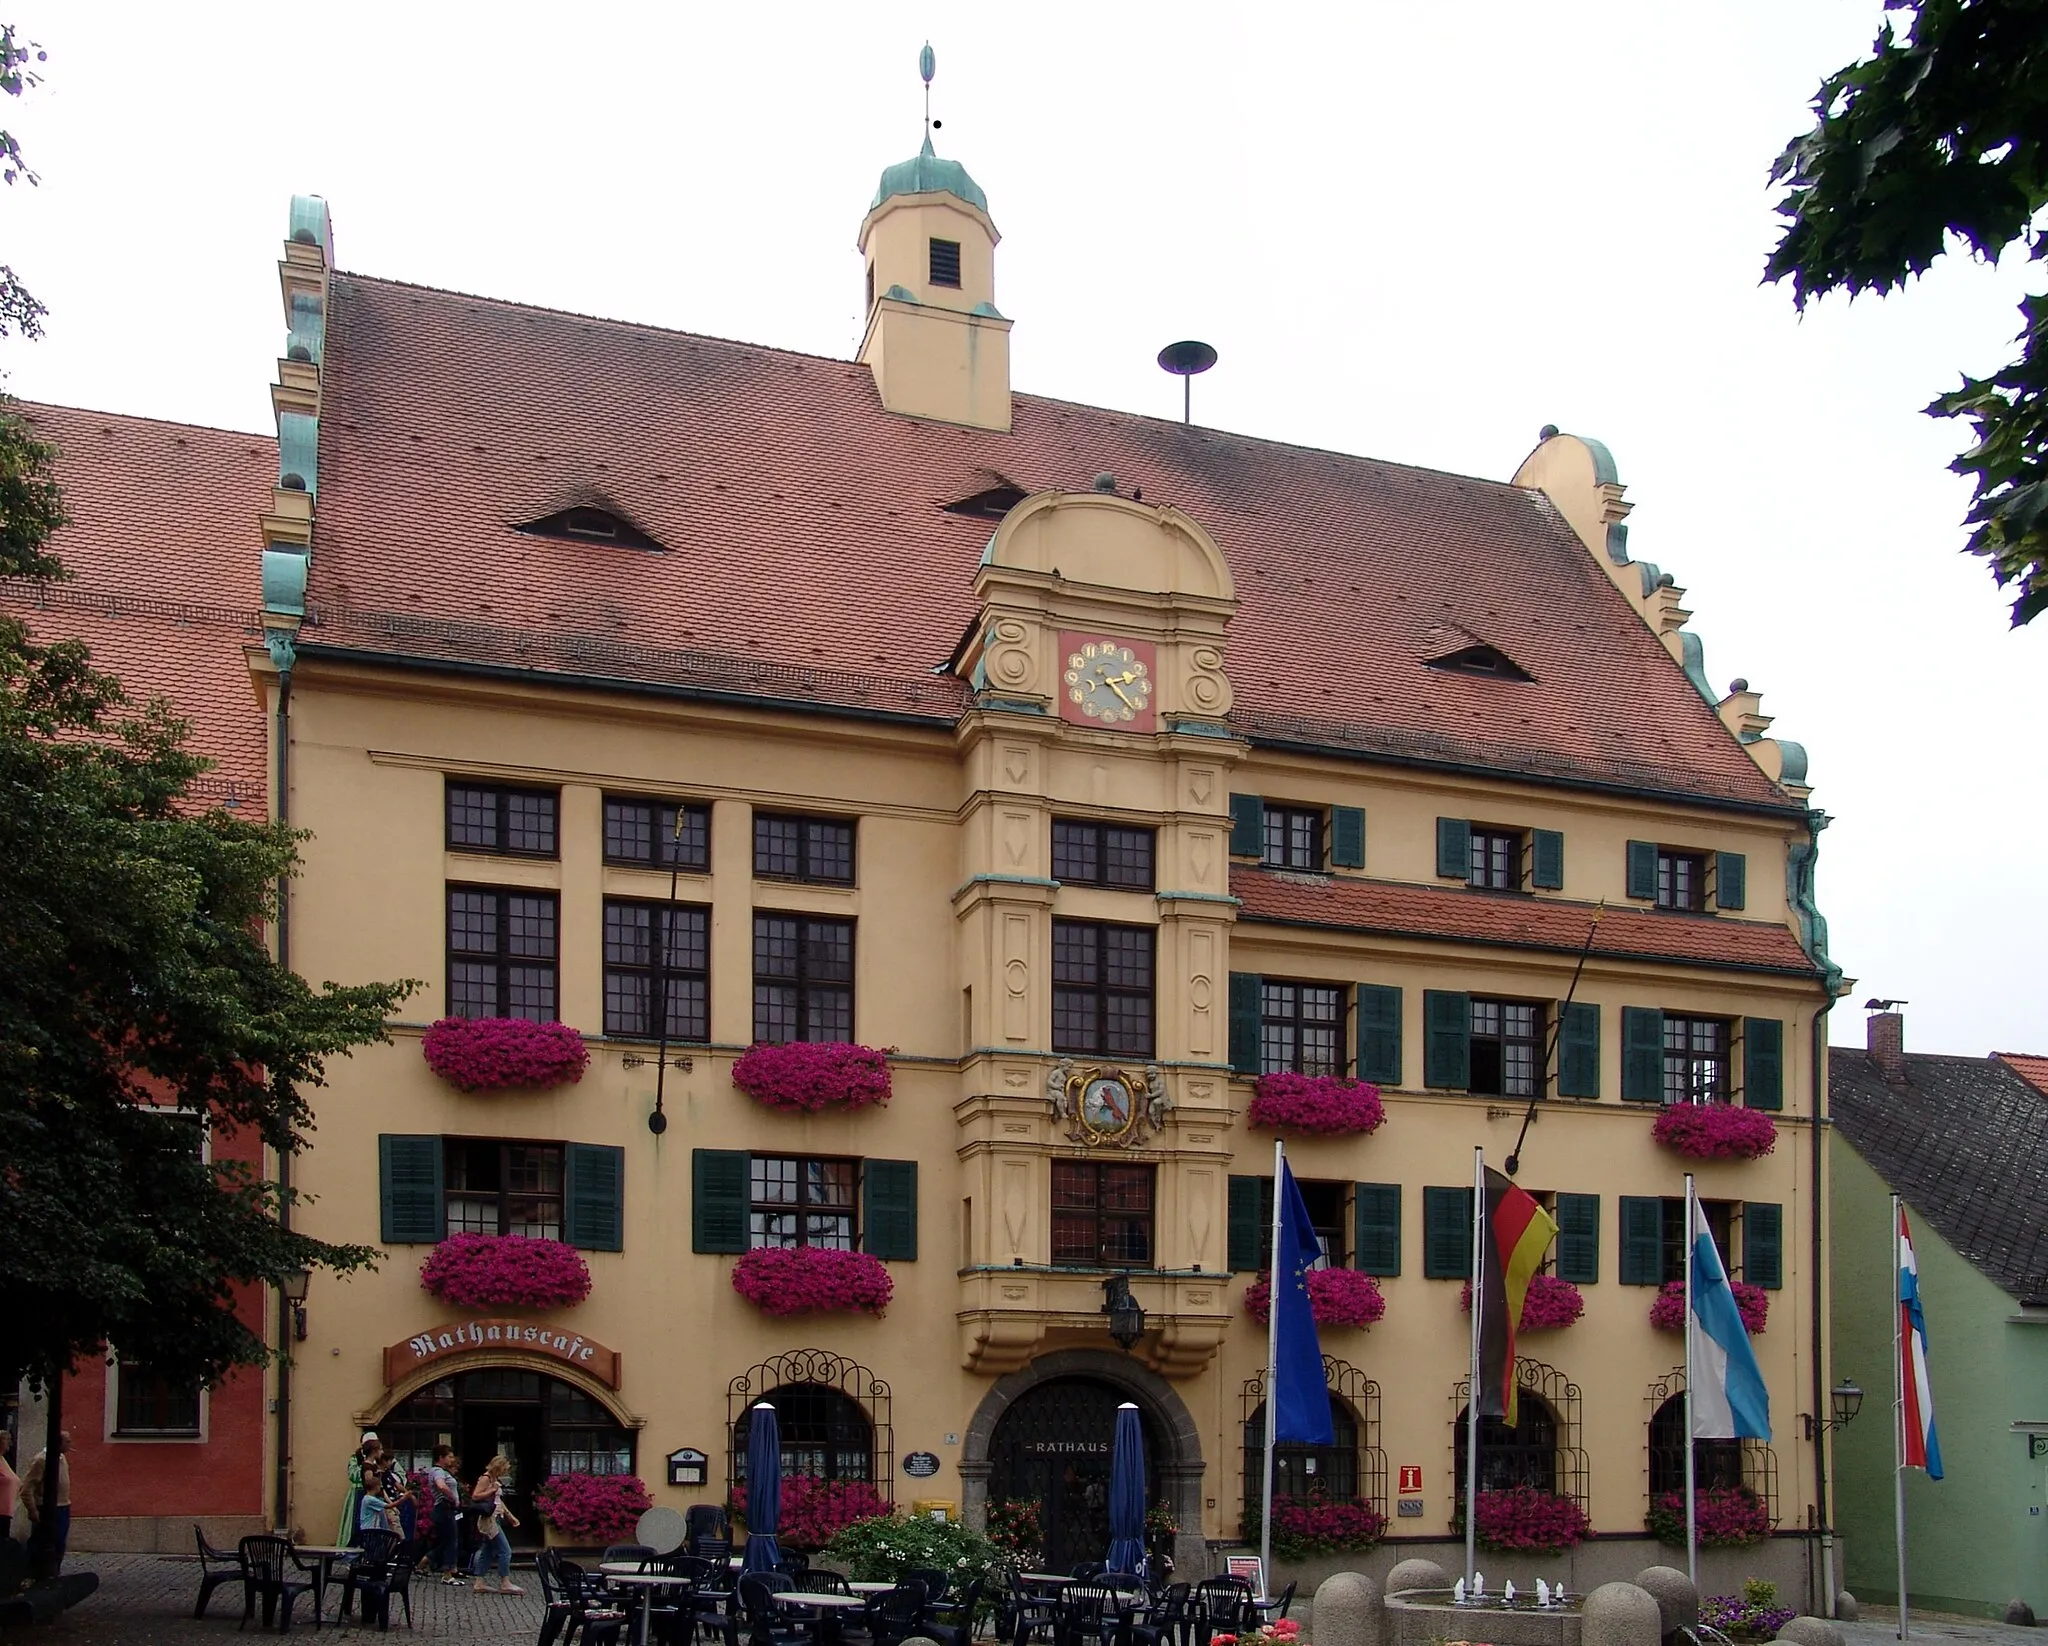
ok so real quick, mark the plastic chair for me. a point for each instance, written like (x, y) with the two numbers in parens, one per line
(952, 1624)
(932, 1578)
(631, 1551)
(1171, 1621)
(1022, 1615)
(374, 1549)
(216, 1566)
(378, 1581)
(896, 1614)
(1089, 1614)
(268, 1568)
(1085, 1569)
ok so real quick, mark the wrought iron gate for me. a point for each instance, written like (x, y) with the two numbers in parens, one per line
(1053, 1448)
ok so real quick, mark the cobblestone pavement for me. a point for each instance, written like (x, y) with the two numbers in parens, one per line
(1879, 1626)
(146, 1600)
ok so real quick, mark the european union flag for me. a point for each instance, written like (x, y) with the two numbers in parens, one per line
(1301, 1410)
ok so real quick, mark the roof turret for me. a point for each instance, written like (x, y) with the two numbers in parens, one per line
(928, 174)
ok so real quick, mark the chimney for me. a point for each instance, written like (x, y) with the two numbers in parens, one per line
(1887, 1044)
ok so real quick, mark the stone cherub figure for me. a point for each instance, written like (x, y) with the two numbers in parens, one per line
(1157, 1099)
(1058, 1092)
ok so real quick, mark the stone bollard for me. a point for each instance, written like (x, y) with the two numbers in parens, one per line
(1620, 1614)
(1417, 1574)
(1678, 1602)
(1346, 1611)
(1812, 1631)
(1846, 1609)
(2019, 1614)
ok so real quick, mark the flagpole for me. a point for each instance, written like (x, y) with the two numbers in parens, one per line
(1472, 1404)
(1272, 1370)
(1692, 1526)
(1899, 1415)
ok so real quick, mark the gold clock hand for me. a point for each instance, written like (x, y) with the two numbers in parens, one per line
(1111, 682)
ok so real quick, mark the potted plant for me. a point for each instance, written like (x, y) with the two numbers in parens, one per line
(1320, 1105)
(795, 1280)
(1667, 1308)
(1727, 1517)
(1521, 1518)
(1715, 1131)
(1317, 1524)
(805, 1076)
(1336, 1297)
(482, 1054)
(1754, 1616)
(479, 1271)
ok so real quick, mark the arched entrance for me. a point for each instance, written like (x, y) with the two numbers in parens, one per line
(545, 1425)
(1047, 1433)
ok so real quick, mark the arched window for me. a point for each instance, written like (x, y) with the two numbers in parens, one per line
(1525, 1455)
(825, 1434)
(1300, 1470)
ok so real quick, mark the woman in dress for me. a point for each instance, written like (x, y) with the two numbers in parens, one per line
(494, 1550)
(359, 1459)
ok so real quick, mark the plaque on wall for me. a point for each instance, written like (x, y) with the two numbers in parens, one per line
(921, 1465)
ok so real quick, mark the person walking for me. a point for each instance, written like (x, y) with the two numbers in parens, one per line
(495, 1549)
(49, 1541)
(446, 1495)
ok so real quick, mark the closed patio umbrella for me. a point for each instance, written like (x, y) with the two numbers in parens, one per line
(1127, 1494)
(764, 1489)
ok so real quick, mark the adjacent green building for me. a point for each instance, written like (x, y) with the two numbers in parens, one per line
(1965, 1141)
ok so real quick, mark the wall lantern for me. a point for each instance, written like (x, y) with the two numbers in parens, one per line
(687, 1467)
(1126, 1319)
(292, 1288)
(1846, 1400)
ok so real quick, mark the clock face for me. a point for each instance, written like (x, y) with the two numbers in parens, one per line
(1107, 683)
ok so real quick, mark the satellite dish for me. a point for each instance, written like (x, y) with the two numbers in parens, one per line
(1186, 360)
(661, 1529)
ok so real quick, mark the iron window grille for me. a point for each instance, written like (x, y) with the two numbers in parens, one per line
(502, 953)
(945, 263)
(800, 1202)
(148, 1403)
(643, 834)
(1695, 1059)
(502, 822)
(632, 963)
(1716, 1463)
(1353, 1470)
(1681, 880)
(1293, 838)
(1102, 1214)
(1496, 860)
(1102, 854)
(1507, 1047)
(817, 850)
(1542, 1451)
(803, 1377)
(1301, 1028)
(494, 1187)
(1676, 1245)
(1102, 989)
(803, 978)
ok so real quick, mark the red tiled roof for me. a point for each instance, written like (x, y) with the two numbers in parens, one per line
(1461, 916)
(805, 530)
(166, 563)
(2033, 1070)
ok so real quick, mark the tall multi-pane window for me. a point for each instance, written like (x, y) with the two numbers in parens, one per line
(1301, 1028)
(499, 1188)
(1102, 854)
(1496, 859)
(1102, 1214)
(817, 849)
(633, 963)
(1293, 838)
(503, 822)
(1676, 1244)
(1102, 989)
(1681, 879)
(584, 1438)
(148, 1403)
(657, 834)
(501, 953)
(1695, 1059)
(796, 1202)
(1507, 1047)
(803, 978)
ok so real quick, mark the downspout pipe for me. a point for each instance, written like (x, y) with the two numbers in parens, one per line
(283, 805)
(1818, 1060)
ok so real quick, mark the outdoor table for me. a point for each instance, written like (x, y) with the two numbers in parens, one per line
(647, 1583)
(828, 1625)
(327, 1554)
(867, 1586)
(1047, 1580)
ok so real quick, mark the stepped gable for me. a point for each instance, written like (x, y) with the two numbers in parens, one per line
(165, 556)
(803, 526)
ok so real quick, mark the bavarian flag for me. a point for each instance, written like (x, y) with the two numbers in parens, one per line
(1514, 1233)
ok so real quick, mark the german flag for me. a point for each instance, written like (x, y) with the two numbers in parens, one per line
(1514, 1234)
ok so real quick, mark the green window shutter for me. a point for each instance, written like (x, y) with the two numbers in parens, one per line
(1763, 1244)
(718, 1200)
(1379, 1034)
(1447, 1234)
(1546, 860)
(1244, 1022)
(594, 1197)
(1763, 1063)
(1247, 1254)
(1642, 1054)
(1731, 879)
(1578, 1238)
(1642, 870)
(1453, 848)
(409, 1190)
(1376, 1209)
(1247, 826)
(1578, 1051)
(1642, 1240)
(1347, 837)
(1446, 1039)
(888, 1191)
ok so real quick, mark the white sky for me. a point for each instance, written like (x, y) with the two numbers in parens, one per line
(1414, 231)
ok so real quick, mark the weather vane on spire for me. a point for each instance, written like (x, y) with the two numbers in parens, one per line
(927, 66)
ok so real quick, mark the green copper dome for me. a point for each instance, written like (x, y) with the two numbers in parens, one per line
(928, 174)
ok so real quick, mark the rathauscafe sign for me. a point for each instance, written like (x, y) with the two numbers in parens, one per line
(520, 1336)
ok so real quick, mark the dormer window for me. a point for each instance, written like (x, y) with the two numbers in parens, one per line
(945, 263)
(992, 504)
(590, 525)
(1481, 660)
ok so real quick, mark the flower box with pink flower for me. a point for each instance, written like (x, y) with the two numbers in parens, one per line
(806, 1076)
(1715, 1131)
(1316, 1105)
(1667, 1309)
(1336, 1297)
(1549, 1305)
(796, 1280)
(479, 1271)
(483, 1054)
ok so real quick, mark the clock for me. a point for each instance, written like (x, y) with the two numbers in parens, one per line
(1108, 683)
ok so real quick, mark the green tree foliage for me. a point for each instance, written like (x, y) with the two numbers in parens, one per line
(1942, 133)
